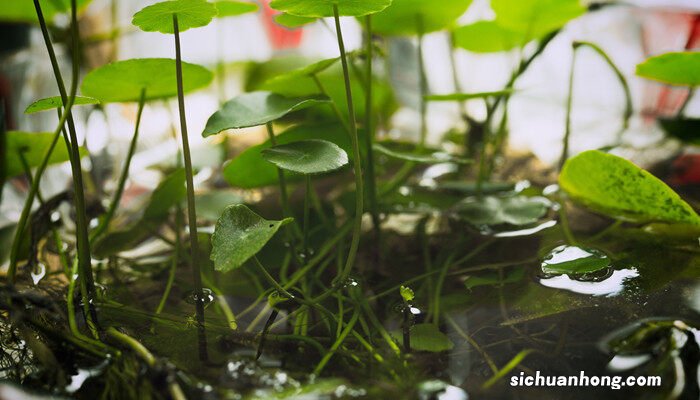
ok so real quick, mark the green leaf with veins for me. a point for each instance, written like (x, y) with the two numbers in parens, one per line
(159, 16)
(230, 8)
(256, 108)
(324, 8)
(123, 81)
(307, 157)
(492, 210)
(613, 186)
(681, 68)
(239, 235)
(410, 17)
(54, 102)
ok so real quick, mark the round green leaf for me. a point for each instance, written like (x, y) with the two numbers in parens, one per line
(411, 17)
(32, 146)
(159, 17)
(674, 68)
(324, 8)
(54, 102)
(256, 108)
(487, 37)
(229, 8)
(122, 81)
(292, 21)
(574, 260)
(24, 11)
(492, 210)
(239, 235)
(536, 18)
(307, 157)
(615, 187)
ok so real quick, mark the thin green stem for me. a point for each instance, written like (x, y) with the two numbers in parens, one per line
(423, 82)
(284, 198)
(514, 362)
(333, 105)
(369, 133)
(307, 209)
(124, 174)
(357, 164)
(339, 341)
(191, 210)
(569, 103)
(133, 344)
(174, 261)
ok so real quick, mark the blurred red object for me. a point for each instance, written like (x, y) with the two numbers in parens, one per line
(685, 170)
(280, 36)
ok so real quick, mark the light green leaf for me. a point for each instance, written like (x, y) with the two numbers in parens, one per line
(307, 157)
(230, 8)
(674, 68)
(468, 96)
(159, 17)
(304, 72)
(324, 8)
(250, 170)
(24, 11)
(407, 294)
(33, 146)
(410, 17)
(574, 260)
(169, 192)
(51, 103)
(256, 108)
(122, 81)
(487, 37)
(615, 187)
(492, 210)
(211, 205)
(430, 158)
(427, 337)
(292, 21)
(239, 235)
(536, 18)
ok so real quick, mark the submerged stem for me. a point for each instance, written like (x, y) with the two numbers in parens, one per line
(191, 211)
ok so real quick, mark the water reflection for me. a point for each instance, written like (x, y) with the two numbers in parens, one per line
(612, 286)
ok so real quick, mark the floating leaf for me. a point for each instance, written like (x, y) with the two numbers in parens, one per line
(410, 17)
(256, 108)
(239, 235)
(574, 260)
(122, 81)
(250, 170)
(427, 337)
(490, 278)
(487, 37)
(681, 68)
(33, 146)
(324, 8)
(536, 18)
(159, 17)
(51, 103)
(492, 210)
(685, 129)
(24, 11)
(468, 96)
(307, 157)
(229, 8)
(407, 294)
(431, 158)
(615, 187)
(292, 21)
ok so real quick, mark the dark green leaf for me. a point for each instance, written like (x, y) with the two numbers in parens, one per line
(430, 158)
(491, 278)
(122, 81)
(159, 17)
(256, 108)
(230, 8)
(492, 210)
(487, 37)
(536, 18)
(292, 21)
(324, 8)
(410, 17)
(307, 157)
(685, 129)
(239, 235)
(674, 68)
(574, 260)
(51, 103)
(615, 187)
(33, 146)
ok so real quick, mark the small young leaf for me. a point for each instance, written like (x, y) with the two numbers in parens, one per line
(256, 108)
(293, 21)
(159, 17)
(574, 260)
(617, 188)
(468, 96)
(411, 17)
(324, 8)
(230, 8)
(307, 157)
(122, 81)
(430, 158)
(487, 37)
(674, 68)
(536, 18)
(33, 146)
(239, 235)
(427, 337)
(51, 103)
(407, 294)
(492, 210)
